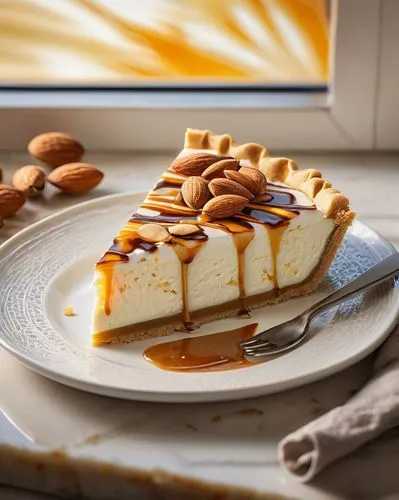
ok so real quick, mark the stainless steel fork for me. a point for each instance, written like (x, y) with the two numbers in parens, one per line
(283, 337)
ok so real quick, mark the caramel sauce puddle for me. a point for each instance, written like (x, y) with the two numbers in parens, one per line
(213, 352)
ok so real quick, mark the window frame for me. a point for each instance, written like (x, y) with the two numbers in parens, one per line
(343, 118)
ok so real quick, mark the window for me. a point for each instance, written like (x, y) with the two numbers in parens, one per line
(165, 42)
(129, 74)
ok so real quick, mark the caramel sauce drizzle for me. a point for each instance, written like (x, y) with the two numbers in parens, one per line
(217, 351)
(275, 237)
(273, 210)
(186, 249)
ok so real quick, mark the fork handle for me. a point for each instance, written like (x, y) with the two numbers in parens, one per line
(381, 272)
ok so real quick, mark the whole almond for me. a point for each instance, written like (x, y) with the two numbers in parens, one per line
(184, 229)
(195, 192)
(257, 177)
(154, 233)
(30, 180)
(11, 200)
(226, 186)
(241, 179)
(75, 178)
(194, 164)
(56, 148)
(1, 174)
(225, 205)
(216, 170)
(1, 222)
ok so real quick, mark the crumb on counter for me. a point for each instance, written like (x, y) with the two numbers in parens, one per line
(250, 411)
(68, 311)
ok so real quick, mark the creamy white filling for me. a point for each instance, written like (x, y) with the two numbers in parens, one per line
(149, 286)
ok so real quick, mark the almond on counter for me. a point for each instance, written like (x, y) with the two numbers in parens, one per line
(30, 180)
(56, 148)
(11, 200)
(75, 178)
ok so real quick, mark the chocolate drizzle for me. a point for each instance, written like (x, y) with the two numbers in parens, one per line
(272, 210)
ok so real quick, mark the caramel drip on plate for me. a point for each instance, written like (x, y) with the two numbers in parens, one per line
(217, 351)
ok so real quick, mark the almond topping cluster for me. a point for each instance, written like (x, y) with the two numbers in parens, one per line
(218, 185)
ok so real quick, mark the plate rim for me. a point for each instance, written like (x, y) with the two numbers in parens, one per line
(211, 395)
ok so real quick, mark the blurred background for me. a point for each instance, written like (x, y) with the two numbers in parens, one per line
(155, 42)
(133, 74)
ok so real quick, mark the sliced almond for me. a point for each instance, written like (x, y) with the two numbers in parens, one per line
(195, 192)
(226, 186)
(155, 233)
(194, 164)
(30, 180)
(11, 200)
(256, 177)
(184, 229)
(216, 170)
(224, 206)
(263, 198)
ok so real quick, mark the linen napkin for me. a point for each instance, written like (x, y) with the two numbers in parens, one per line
(373, 410)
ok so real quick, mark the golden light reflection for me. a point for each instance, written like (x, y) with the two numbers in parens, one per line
(173, 41)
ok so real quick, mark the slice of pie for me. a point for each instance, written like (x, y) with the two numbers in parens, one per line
(226, 229)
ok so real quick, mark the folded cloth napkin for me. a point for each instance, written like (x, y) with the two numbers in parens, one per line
(373, 410)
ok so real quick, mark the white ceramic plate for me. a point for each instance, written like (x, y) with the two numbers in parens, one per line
(49, 265)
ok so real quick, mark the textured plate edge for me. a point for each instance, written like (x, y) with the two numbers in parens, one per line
(182, 397)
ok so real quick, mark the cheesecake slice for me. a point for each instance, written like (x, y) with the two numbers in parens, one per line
(226, 229)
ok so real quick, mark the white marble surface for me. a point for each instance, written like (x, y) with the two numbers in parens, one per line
(226, 443)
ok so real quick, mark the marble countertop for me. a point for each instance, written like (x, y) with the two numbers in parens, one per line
(58, 440)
